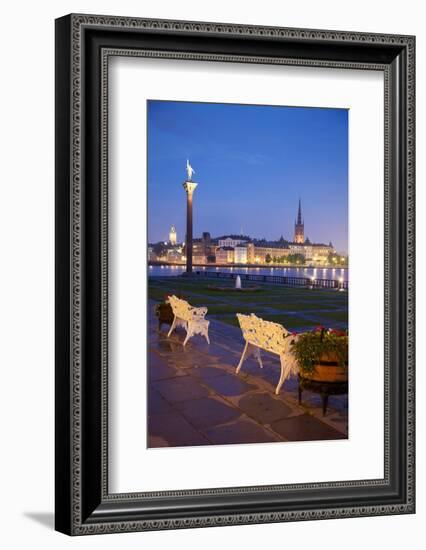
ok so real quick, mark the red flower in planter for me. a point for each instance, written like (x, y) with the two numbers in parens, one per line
(337, 332)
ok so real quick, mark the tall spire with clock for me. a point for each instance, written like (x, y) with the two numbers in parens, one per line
(172, 235)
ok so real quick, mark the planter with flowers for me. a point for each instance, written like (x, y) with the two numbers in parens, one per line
(322, 356)
(164, 313)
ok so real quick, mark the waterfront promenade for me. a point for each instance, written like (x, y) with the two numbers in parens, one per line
(276, 279)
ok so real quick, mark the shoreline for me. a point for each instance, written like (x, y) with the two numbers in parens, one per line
(251, 266)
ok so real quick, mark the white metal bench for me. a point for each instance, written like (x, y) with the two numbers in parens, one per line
(260, 334)
(192, 318)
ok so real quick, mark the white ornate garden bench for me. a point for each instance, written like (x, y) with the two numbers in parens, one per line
(192, 318)
(260, 334)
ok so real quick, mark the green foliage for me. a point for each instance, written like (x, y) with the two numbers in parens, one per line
(268, 258)
(296, 259)
(311, 346)
(337, 259)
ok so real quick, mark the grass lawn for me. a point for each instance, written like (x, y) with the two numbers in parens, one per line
(290, 322)
(341, 316)
(280, 304)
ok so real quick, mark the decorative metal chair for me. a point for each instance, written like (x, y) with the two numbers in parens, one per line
(260, 334)
(191, 318)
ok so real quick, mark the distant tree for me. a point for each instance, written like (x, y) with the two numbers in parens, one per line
(296, 259)
(268, 258)
(333, 258)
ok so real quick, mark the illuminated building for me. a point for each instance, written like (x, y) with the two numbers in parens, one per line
(299, 227)
(173, 235)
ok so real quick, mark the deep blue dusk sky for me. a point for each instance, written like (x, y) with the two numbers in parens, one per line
(252, 163)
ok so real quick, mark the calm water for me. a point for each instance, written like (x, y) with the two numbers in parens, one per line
(318, 273)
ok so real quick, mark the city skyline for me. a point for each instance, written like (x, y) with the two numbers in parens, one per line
(246, 183)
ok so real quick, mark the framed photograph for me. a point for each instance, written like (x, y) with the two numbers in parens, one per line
(234, 274)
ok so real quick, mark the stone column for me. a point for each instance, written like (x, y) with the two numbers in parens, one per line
(189, 187)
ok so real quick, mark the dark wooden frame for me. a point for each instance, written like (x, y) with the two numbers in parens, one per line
(83, 46)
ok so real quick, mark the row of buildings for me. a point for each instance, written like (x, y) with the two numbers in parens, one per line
(241, 249)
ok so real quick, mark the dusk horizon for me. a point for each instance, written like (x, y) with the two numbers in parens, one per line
(252, 165)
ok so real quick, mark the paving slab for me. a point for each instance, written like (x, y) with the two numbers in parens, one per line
(241, 431)
(229, 385)
(305, 427)
(205, 373)
(180, 389)
(174, 430)
(157, 370)
(157, 404)
(263, 408)
(207, 411)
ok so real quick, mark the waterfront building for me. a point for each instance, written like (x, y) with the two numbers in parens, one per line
(312, 252)
(250, 253)
(240, 254)
(231, 241)
(151, 254)
(225, 255)
(206, 238)
(199, 259)
(209, 247)
(172, 235)
(174, 255)
(270, 249)
(198, 251)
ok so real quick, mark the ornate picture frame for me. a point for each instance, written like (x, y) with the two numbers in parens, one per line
(84, 44)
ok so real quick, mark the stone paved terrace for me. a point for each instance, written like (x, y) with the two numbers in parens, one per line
(196, 398)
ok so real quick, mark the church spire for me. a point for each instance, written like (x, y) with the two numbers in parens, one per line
(299, 228)
(299, 213)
